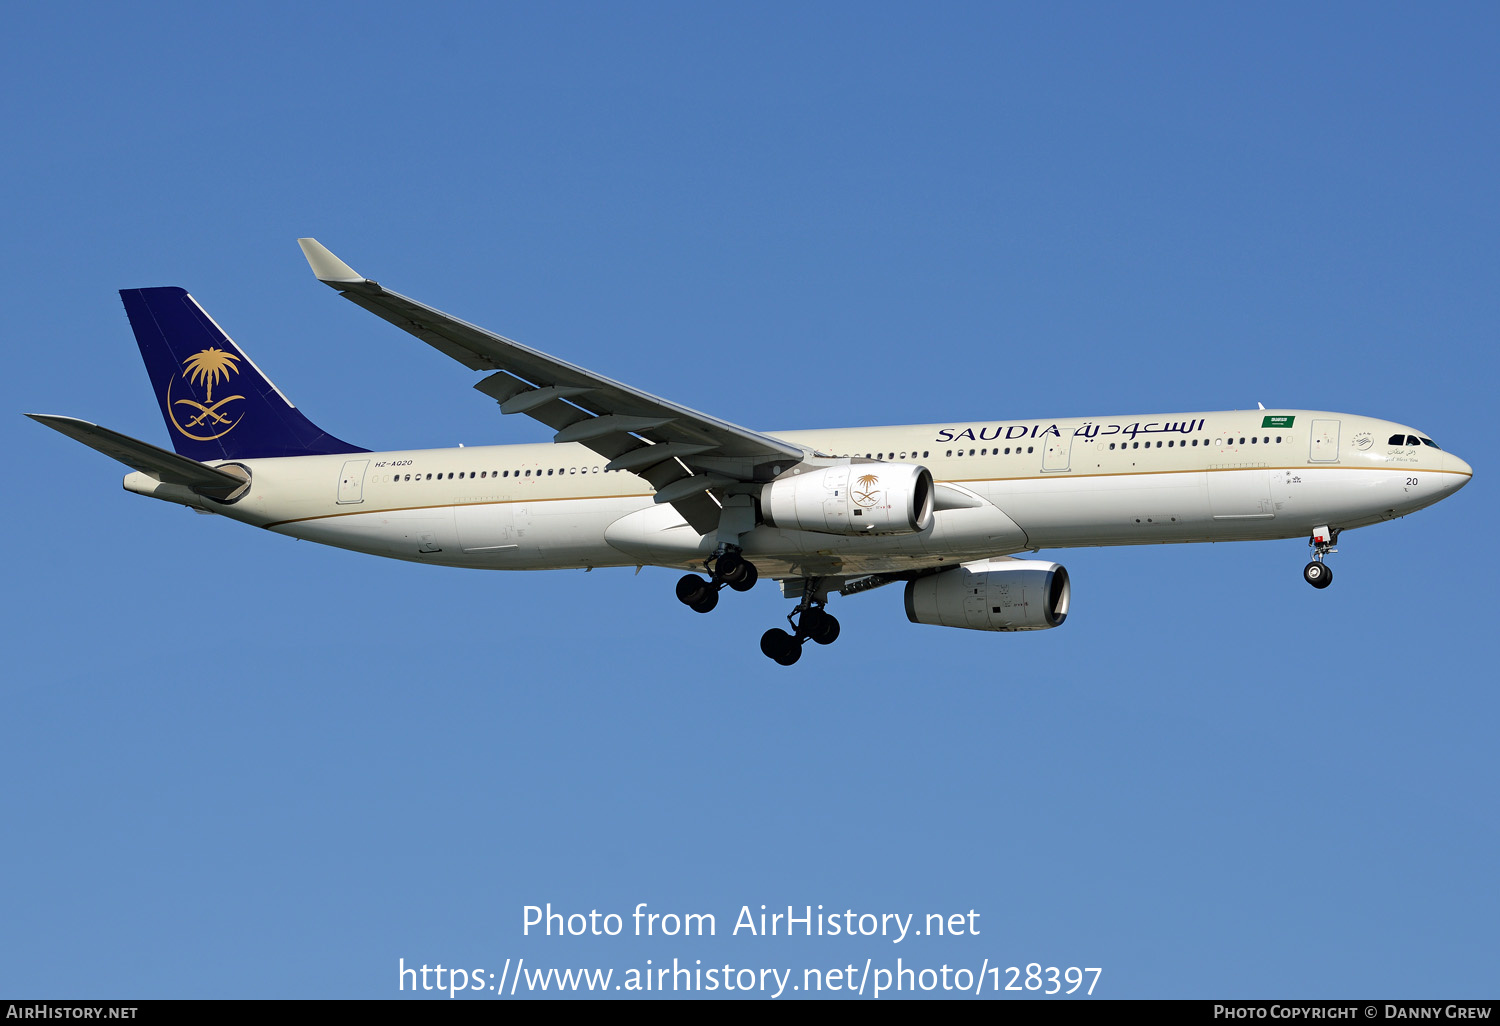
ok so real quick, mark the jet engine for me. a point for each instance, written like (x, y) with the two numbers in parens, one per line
(1000, 594)
(862, 498)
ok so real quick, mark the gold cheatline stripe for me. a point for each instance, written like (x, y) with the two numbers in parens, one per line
(1056, 476)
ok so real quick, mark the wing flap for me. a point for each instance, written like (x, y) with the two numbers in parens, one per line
(479, 349)
(618, 422)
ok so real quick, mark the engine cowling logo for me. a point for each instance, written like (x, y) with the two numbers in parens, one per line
(869, 496)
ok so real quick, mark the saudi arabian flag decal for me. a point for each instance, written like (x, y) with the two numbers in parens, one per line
(1279, 422)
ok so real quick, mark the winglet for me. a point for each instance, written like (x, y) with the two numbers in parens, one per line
(328, 268)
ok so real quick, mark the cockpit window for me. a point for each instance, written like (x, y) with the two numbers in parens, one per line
(1413, 440)
(1428, 441)
(1397, 440)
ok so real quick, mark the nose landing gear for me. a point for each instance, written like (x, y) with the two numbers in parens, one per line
(1317, 573)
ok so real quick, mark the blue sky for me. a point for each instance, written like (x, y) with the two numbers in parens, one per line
(240, 765)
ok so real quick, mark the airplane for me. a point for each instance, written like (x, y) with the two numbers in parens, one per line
(631, 479)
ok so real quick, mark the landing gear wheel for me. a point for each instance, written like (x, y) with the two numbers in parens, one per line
(1318, 574)
(747, 578)
(780, 646)
(730, 567)
(691, 588)
(820, 626)
(707, 602)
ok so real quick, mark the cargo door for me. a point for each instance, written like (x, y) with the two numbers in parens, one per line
(1240, 494)
(484, 527)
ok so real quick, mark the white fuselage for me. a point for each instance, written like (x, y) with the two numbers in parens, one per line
(1022, 485)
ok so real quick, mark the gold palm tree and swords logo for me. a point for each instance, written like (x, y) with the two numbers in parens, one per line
(206, 368)
(869, 496)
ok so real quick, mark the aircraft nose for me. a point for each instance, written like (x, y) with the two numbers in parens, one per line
(1459, 471)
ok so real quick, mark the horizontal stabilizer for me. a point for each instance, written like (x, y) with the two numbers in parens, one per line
(167, 467)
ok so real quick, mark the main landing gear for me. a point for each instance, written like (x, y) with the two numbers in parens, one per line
(1317, 573)
(728, 567)
(810, 621)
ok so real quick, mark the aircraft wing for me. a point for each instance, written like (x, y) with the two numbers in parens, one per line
(143, 456)
(684, 454)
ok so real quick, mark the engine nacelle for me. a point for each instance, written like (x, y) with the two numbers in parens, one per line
(863, 498)
(1001, 594)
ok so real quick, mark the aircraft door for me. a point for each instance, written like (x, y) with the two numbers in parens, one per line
(1057, 454)
(352, 481)
(1240, 495)
(1325, 441)
(484, 526)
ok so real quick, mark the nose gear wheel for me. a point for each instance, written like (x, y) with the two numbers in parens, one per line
(1317, 573)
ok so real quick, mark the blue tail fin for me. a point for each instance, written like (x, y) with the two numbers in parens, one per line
(216, 402)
